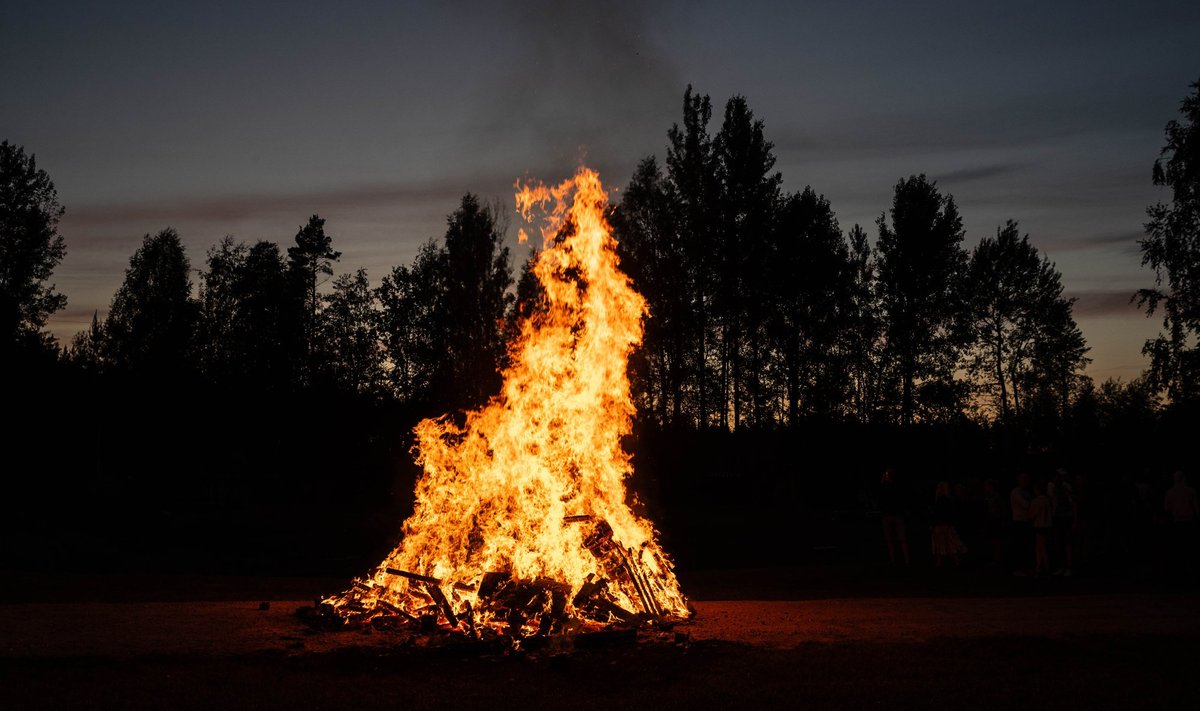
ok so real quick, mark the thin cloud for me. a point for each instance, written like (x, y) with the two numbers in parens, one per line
(1104, 303)
(1124, 242)
(242, 207)
(983, 172)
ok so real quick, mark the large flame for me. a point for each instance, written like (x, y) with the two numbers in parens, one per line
(527, 485)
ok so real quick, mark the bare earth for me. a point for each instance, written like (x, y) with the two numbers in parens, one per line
(1123, 650)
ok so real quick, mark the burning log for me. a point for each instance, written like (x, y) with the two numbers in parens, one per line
(615, 610)
(590, 587)
(392, 609)
(413, 576)
(639, 581)
(618, 559)
(443, 604)
(491, 583)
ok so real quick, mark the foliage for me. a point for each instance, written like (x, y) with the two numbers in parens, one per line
(310, 259)
(478, 275)
(249, 323)
(921, 262)
(443, 320)
(1027, 347)
(409, 315)
(1172, 248)
(350, 355)
(809, 284)
(152, 319)
(30, 249)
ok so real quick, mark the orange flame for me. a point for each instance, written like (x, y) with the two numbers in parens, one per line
(520, 487)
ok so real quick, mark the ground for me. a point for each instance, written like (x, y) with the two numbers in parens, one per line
(913, 640)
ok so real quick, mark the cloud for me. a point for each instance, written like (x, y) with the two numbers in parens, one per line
(242, 207)
(982, 172)
(1004, 122)
(1103, 303)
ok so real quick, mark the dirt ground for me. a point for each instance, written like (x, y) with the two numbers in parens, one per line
(1067, 649)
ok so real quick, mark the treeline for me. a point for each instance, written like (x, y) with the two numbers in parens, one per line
(764, 311)
(250, 409)
(432, 332)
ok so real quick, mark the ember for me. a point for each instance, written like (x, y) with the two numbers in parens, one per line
(522, 526)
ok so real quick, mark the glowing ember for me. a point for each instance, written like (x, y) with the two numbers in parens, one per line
(521, 520)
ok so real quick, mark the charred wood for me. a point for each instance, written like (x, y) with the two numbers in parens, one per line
(440, 598)
(413, 576)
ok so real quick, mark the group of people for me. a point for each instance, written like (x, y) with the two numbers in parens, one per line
(1051, 515)
(1044, 526)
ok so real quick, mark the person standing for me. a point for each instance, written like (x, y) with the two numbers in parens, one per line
(946, 541)
(891, 509)
(1063, 501)
(1022, 533)
(1183, 516)
(1041, 518)
(997, 517)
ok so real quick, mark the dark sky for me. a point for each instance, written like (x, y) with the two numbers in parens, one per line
(245, 118)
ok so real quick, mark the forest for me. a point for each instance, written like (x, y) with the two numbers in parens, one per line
(257, 415)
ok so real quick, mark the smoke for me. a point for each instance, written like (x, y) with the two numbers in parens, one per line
(583, 81)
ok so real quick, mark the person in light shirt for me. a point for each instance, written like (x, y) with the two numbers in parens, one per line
(1180, 501)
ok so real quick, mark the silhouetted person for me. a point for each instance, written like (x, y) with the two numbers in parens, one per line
(892, 510)
(1141, 523)
(967, 516)
(1183, 514)
(1022, 533)
(1063, 499)
(996, 516)
(1081, 544)
(945, 538)
(1041, 517)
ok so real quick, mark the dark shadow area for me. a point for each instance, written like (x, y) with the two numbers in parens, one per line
(1088, 671)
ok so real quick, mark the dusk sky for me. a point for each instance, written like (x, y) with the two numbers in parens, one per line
(236, 118)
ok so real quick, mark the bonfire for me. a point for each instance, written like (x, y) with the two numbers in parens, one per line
(522, 525)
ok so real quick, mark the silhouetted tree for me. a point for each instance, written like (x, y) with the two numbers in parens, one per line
(86, 348)
(308, 260)
(809, 281)
(249, 322)
(1172, 248)
(409, 313)
(443, 320)
(270, 322)
(655, 256)
(1059, 356)
(1027, 346)
(529, 299)
(749, 196)
(220, 347)
(30, 249)
(478, 274)
(1123, 405)
(694, 190)
(863, 337)
(350, 355)
(921, 262)
(152, 318)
